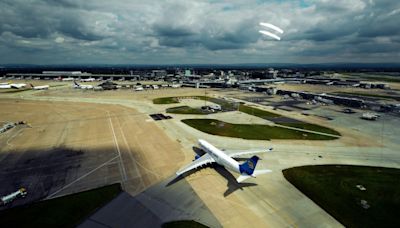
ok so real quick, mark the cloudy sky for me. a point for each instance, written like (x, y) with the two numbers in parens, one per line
(197, 31)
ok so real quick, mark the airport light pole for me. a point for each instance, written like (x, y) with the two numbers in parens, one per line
(205, 96)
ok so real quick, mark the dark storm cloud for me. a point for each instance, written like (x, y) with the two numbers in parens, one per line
(171, 31)
(178, 30)
(367, 19)
(44, 18)
(73, 27)
(63, 3)
(24, 20)
(211, 37)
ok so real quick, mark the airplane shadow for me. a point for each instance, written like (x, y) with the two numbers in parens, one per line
(180, 177)
(232, 184)
(198, 151)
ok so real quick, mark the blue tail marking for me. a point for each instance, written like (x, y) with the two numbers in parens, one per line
(248, 166)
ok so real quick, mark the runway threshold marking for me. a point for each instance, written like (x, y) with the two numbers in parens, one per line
(124, 177)
(81, 177)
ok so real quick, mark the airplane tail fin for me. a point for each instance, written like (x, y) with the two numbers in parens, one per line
(31, 85)
(75, 83)
(248, 167)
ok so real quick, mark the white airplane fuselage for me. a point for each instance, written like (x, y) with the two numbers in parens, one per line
(5, 86)
(17, 85)
(43, 87)
(88, 80)
(219, 156)
(78, 86)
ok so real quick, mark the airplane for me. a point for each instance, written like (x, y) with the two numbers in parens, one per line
(138, 88)
(5, 85)
(88, 79)
(77, 86)
(213, 154)
(12, 86)
(17, 85)
(42, 87)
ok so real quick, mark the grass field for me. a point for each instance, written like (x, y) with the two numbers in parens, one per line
(225, 105)
(66, 211)
(312, 127)
(166, 100)
(186, 110)
(334, 188)
(243, 108)
(250, 131)
(296, 123)
(258, 112)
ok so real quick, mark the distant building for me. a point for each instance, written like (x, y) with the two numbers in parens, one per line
(72, 73)
(159, 73)
(188, 73)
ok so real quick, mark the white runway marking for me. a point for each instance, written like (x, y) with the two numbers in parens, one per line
(80, 178)
(130, 153)
(12, 137)
(124, 177)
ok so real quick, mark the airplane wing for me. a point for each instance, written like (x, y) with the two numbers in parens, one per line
(237, 154)
(203, 160)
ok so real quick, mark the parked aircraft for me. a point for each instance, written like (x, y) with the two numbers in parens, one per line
(12, 86)
(18, 85)
(225, 159)
(88, 79)
(78, 86)
(5, 86)
(138, 88)
(42, 87)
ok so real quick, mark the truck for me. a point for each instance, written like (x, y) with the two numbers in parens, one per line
(369, 116)
(12, 196)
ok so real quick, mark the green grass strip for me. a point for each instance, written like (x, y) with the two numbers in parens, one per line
(334, 188)
(257, 112)
(186, 110)
(165, 100)
(65, 211)
(250, 131)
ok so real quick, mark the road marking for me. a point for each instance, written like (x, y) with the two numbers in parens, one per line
(124, 177)
(80, 178)
(308, 131)
(13, 136)
(130, 154)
